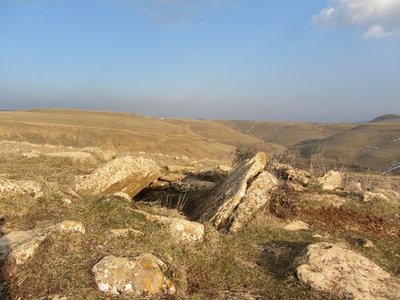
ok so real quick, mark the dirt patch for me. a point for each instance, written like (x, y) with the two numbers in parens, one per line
(340, 219)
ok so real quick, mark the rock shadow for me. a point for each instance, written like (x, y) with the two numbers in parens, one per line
(279, 258)
(4, 286)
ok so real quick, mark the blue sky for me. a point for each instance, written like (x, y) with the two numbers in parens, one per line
(312, 60)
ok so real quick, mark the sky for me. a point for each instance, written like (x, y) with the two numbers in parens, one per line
(310, 60)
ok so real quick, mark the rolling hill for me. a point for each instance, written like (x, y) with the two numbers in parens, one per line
(122, 131)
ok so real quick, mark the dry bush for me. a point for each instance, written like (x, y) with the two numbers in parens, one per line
(284, 202)
(243, 153)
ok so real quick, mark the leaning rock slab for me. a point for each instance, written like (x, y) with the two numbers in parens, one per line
(142, 275)
(22, 245)
(332, 180)
(20, 187)
(127, 174)
(336, 270)
(181, 230)
(257, 196)
(219, 208)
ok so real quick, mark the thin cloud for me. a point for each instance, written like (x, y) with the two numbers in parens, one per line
(378, 18)
(180, 12)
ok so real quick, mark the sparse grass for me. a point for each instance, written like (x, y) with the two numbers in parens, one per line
(259, 261)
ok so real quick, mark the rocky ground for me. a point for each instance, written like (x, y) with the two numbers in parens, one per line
(93, 224)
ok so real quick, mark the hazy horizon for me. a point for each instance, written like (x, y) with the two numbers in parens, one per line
(319, 61)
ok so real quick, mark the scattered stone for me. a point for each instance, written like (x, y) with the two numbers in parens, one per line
(225, 169)
(21, 245)
(352, 187)
(74, 156)
(361, 241)
(318, 236)
(160, 185)
(220, 207)
(66, 201)
(297, 226)
(54, 297)
(325, 200)
(125, 232)
(20, 187)
(127, 174)
(371, 196)
(336, 270)
(332, 180)
(32, 154)
(105, 155)
(181, 230)
(119, 196)
(172, 177)
(141, 276)
(257, 196)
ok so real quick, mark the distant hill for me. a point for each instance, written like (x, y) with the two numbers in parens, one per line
(287, 133)
(373, 146)
(386, 118)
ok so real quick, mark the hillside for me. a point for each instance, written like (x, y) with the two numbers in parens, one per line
(387, 118)
(122, 131)
(286, 133)
(372, 146)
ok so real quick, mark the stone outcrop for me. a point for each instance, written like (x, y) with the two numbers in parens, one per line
(21, 245)
(140, 276)
(228, 203)
(333, 269)
(296, 179)
(332, 180)
(181, 230)
(20, 187)
(127, 174)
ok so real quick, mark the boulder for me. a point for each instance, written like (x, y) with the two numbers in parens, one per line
(297, 226)
(334, 269)
(220, 207)
(127, 174)
(181, 230)
(257, 196)
(21, 245)
(332, 180)
(140, 276)
(20, 187)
